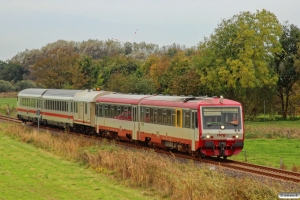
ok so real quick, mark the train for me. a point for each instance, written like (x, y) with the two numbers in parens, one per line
(199, 126)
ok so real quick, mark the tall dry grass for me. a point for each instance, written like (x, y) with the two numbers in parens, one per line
(139, 168)
(270, 132)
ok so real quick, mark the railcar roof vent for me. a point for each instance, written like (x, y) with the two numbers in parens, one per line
(188, 99)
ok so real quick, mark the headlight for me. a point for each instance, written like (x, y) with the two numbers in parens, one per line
(237, 136)
(207, 136)
(222, 127)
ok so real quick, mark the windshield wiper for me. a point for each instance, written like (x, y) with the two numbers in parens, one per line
(213, 123)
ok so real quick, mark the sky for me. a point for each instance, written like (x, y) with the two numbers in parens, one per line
(32, 24)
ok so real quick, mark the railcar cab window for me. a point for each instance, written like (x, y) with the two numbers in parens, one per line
(214, 117)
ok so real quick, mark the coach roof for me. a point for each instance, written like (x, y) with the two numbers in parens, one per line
(89, 95)
(59, 94)
(122, 98)
(32, 92)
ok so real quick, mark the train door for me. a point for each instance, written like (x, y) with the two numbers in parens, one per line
(135, 122)
(86, 112)
(194, 126)
(92, 113)
(80, 110)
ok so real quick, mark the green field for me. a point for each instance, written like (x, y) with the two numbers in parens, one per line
(269, 152)
(4, 102)
(30, 173)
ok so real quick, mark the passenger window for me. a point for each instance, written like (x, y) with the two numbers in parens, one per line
(129, 113)
(187, 119)
(113, 112)
(105, 111)
(151, 115)
(109, 111)
(169, 117)
(119, 110)
(100, 111)
(173, 118)
(159, 116)
(164, 117)
(155, 113)
(147, 115)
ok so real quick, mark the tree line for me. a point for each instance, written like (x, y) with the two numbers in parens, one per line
(251, 58)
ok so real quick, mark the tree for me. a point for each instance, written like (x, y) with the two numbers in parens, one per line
(130, 84)
(55, 71)
(26, 59)
(89, 70)
(2, 65)
(157, 72)
(115, 65)
(12, 72)
(239, 53)
(287, 65)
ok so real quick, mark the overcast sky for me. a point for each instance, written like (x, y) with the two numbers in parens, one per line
(32, 24)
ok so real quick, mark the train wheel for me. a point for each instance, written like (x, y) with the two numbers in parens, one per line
(224, 157)
(218, 157)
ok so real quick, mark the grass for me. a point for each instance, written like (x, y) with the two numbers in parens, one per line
(272, 152)
(5, 102)
(30, 173)
(272, 129)
(146, 170)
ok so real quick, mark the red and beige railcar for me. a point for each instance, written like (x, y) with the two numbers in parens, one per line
(207, 126)
(117, 116)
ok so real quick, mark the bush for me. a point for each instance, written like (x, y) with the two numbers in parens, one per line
(6, 86)
(25, 84)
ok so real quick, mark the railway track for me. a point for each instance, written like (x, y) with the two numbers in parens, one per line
(9, 119)
(229, 164)
(249, 168)
(261, 170)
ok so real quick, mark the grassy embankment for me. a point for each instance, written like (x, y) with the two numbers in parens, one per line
(27, 172)
(55, 177)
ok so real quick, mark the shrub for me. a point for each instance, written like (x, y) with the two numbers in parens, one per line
(25, 84)
(6, 86)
